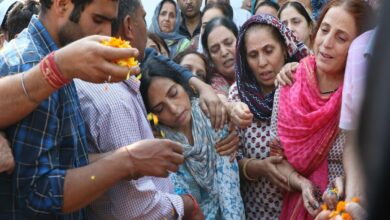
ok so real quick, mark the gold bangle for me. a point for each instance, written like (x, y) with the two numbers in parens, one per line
(244, 170)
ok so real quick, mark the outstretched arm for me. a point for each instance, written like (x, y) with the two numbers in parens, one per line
(85, 59)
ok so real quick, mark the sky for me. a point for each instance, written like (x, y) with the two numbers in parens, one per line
(150, 5)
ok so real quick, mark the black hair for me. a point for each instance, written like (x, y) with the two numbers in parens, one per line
(221, 1)
(159, 42)
(226, 9)
(268, 3)
(125, 7)
(179, 57)
(300, 8)
(19, 17)
(79, 6)
(165, 1)
(157, 68)
(211, 25)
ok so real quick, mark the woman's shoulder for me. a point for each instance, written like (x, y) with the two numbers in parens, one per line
(220, 84)
(204, 121)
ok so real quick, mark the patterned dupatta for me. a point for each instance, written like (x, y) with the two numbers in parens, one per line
(249, 90)
(200, 158)
(307, 128)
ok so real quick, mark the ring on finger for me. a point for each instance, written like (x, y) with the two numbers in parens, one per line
(109, 79)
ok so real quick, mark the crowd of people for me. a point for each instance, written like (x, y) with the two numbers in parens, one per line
(231, 113)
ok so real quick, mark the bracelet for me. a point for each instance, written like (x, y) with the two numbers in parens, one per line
(244, 170)
(196, 206)
(51, 73)
(25, 90)
(289, 179)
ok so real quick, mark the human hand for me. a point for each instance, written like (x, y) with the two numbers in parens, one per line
(356, 211)
(190, 204)
(240, 114)
(276, 147)
(154, 157)
(332, 195)
(91, 61)
(198, 215)
(309, 194)
(285, 76)
(323, 215)
(7, 163)
(268, 169)
(212, 106)
(229, 145)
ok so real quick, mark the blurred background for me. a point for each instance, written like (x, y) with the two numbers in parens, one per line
(150, 5)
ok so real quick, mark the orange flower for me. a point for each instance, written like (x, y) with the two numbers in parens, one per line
(346, 216)
(119, 43)
(340, 209)
(340, 206)
(355, 199)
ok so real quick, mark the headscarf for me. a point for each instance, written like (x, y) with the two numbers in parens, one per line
(249, 90)
(213, 174)
(317, 6)
(307, 128)
(199, 158)
(173, 38)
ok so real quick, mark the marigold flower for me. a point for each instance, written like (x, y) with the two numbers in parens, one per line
(346, 216)
(355, 199)
(119, 43)
(152, 117)
(340, 209)
(340, 206)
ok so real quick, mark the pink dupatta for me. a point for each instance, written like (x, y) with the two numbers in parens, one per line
(307, 128)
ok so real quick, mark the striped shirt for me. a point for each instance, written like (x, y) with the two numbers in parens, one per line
(115, 116)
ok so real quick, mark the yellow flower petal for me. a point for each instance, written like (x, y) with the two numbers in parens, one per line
(119, 43)
(155, 119)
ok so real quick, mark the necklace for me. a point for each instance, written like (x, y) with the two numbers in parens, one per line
(329, 92)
